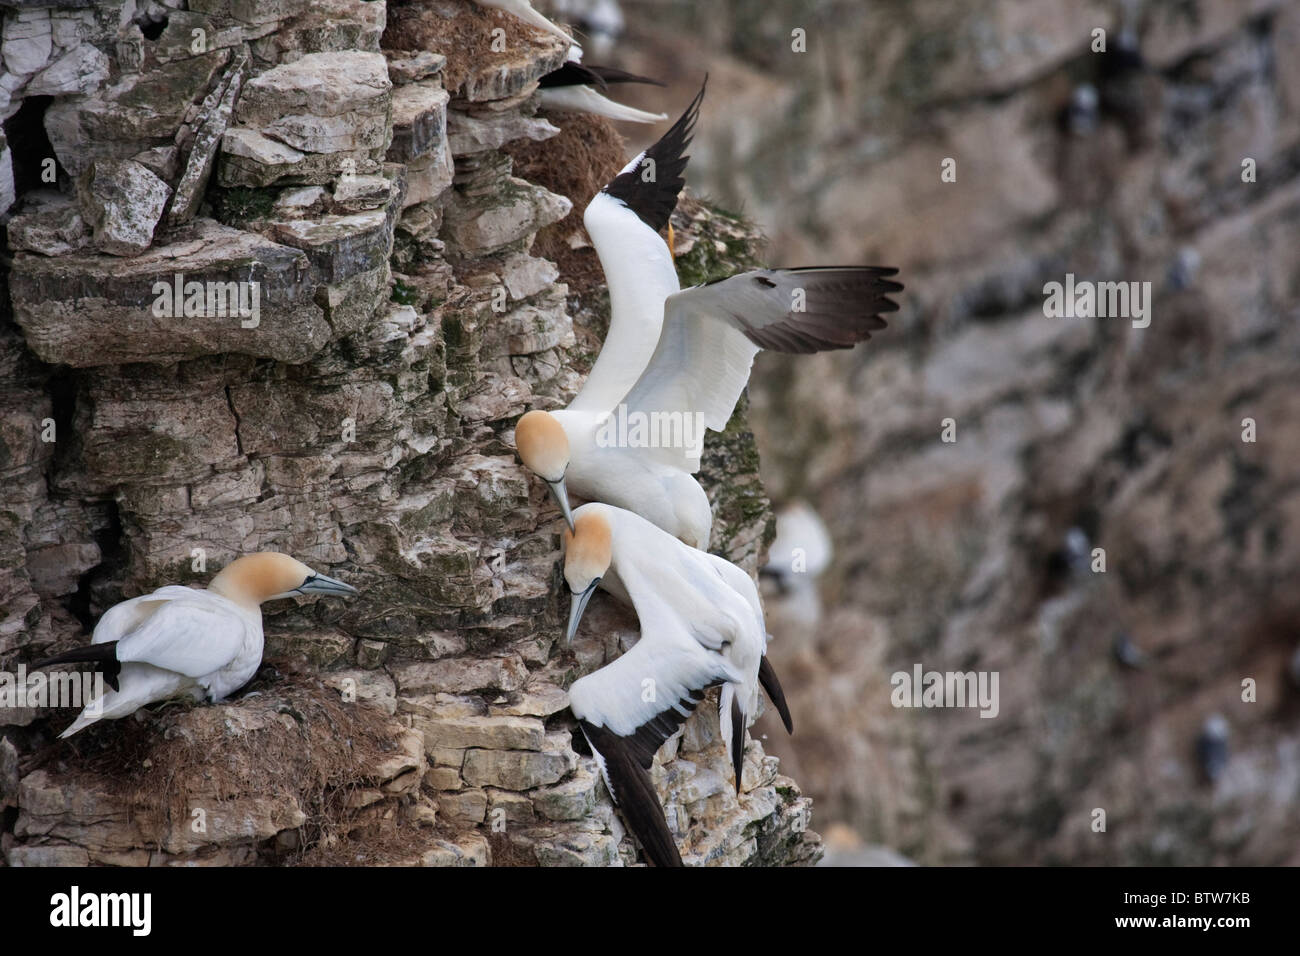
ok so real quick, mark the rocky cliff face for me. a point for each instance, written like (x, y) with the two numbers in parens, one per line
(1070, 434)
(271, 285)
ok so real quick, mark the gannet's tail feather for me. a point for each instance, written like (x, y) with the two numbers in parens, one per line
(103, 656)
(767, 677)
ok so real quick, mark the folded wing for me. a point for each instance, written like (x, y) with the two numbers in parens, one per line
(193, 635)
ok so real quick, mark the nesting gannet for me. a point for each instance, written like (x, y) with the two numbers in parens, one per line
(573, 86)
(523, 10)
(701, 626)
(181, 641)
(675, 362)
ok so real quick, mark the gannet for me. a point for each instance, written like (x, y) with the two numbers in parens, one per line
(802, 549)
(573, 88)
(676, 361)
(701, 626)
(181, 641)
(601, 21)
(523, 10)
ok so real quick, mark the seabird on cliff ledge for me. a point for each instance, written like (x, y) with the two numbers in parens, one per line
(573, 88)
(701, 626)
(181, 641)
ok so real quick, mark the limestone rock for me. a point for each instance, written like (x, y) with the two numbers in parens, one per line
(79, 71)
(122, 203)
(419, 121)
(321, 103)
(318, 370)
(212, 122)
(53, 311)
(27, 41)
(7, 192)
(48, 223)
(482, 225)
(471, 134)
(513, 769)
(414, 66)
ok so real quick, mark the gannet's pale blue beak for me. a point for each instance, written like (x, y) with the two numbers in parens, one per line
(577, 605)
(561, 496)
(319, 584)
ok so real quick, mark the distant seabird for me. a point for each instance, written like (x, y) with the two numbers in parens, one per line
(524, 11)
(701, 626)
(802, 549)
(574, 88)
(1212, 747)
(181, 641)
(601, 21)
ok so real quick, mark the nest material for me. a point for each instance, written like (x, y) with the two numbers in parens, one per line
(587, 153)
(294, 738)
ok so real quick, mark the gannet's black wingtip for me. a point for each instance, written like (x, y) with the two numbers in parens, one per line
(572, 73)
(772, 686)
(654, 197)
(634, 794)
(840, 306)
(609, 74)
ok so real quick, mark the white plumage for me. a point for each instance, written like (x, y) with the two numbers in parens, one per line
(583, 99)
(175, 642)
(674, 361)
(189, 642)
(701, 626)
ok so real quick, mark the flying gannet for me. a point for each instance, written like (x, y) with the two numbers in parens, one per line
(181, 641)
(523, 10)
(677, 360)
(573, 88)
(701, 626)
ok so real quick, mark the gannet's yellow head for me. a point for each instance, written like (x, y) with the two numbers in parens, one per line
(588, 550)
(544, 449)
(267, 575)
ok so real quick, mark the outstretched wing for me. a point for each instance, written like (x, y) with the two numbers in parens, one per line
(712, 332)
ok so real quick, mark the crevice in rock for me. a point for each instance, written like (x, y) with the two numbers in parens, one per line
(230, 401)
(30, 146)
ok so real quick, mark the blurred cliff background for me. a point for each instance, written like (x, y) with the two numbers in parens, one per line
(1117, 688)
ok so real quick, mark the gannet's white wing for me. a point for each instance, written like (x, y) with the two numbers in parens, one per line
(627, 710)
(624, 220)
(712, 332)
(121, 619)
(195, 635)
(583, 99)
